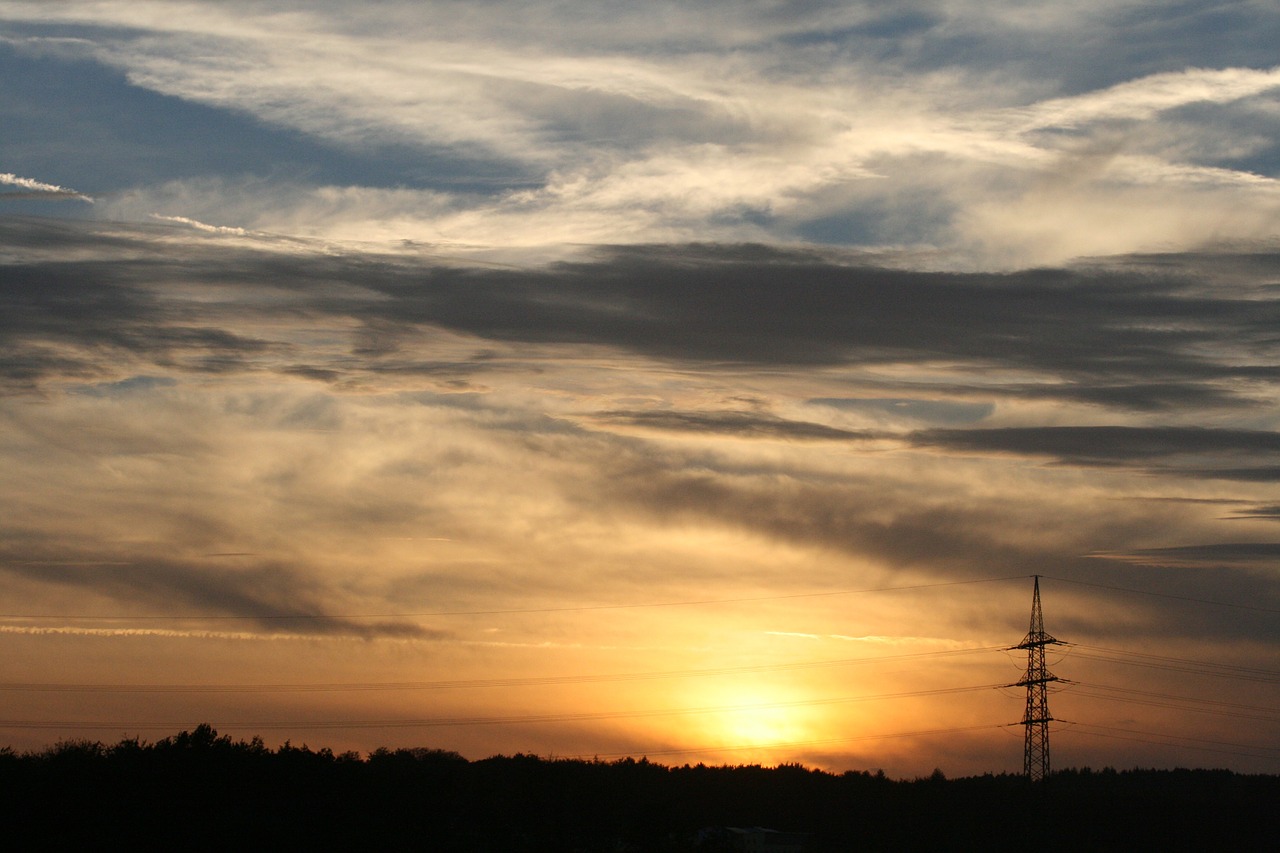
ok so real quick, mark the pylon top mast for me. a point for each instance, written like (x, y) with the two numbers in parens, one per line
(1036, 635)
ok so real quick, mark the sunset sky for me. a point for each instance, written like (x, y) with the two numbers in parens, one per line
(700, 381)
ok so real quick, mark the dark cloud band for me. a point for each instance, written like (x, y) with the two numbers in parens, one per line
(1139, 334)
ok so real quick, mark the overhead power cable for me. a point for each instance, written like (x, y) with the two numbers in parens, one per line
(1216, 669)
(532, 681)
(788, 744)
(1190, 598)
(1181, 703)
(494, 612)
(1257, 750)
(503, 720)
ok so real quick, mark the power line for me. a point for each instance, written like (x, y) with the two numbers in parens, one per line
(1087, 652)
(1266, 751)
(1166, 595)
(535, 681)
(1208, 664)
(680, 751)
(616, 606)
(788, 744)
(1173, 664)
(1182, 703)
(519, 719)
(500, 612)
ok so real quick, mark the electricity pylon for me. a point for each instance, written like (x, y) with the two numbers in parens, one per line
(1035, 761)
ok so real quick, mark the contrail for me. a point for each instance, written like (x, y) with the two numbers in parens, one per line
(30, 188)
(201, 226)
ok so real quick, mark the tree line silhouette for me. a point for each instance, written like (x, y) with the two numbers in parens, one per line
(199, 790)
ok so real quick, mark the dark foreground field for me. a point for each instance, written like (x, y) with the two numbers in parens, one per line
(201, 791)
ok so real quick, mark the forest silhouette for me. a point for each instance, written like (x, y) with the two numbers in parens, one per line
(199, 790)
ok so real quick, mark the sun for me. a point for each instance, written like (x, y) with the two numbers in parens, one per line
(759, 727)
(754, 718)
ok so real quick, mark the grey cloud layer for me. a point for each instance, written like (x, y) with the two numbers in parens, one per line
(270, 598)
(1146, 334)
(958, 537)
(1155, 449)
(1170, 349)
(1108, 445)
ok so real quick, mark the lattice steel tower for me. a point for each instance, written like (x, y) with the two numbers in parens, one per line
(1035, 762)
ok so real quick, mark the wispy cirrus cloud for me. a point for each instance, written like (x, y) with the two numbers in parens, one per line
(741, 126)
(1144, 98)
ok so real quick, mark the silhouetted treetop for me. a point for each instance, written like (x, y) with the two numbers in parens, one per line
(200, 790)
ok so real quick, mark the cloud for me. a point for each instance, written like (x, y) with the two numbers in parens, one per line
(1144, 98)
(929, 411)
(1251, 474)
(1143, 334)
(1268, 512)
(729, 423)
(1215, 554)
(656, 424)
(271, 597)
(581, 325)
(886, 517)
(1106, 445)
(57, 319)
(841, 124)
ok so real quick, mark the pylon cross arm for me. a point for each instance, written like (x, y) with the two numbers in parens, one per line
(1029, 643)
